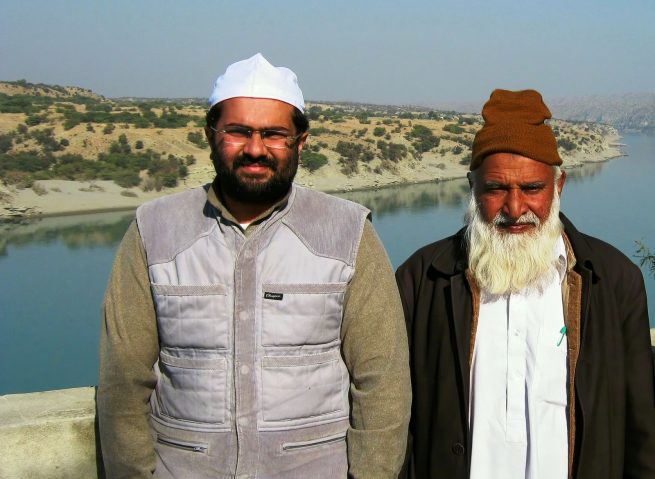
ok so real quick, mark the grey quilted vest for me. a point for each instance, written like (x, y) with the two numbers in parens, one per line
(251, 382)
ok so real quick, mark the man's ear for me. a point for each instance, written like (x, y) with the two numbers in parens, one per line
(560, 183)
(301, 142)
(209, 134)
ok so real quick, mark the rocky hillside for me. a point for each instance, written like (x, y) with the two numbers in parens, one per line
(23, 87)
(51, 133)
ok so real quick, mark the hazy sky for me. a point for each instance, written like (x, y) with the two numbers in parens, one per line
(420, 52)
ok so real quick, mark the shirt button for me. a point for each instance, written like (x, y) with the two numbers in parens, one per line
(458, 449)
(245, 369)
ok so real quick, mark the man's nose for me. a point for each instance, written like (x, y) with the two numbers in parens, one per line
(255, 146)
(515, 205)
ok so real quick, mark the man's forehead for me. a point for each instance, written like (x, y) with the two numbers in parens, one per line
(256, 110)
(510, 166)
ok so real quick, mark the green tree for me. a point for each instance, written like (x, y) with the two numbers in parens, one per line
(312, 161)
(423, 139)
(566, 144)
(6, 143)
(453, 128)
(197, 139)
(646, 257)
(392, 151)
(121, 146)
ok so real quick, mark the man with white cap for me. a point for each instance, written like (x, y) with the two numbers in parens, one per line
(252, 328)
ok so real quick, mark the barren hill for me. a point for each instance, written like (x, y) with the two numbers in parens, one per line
(67, 143)
(22, 87)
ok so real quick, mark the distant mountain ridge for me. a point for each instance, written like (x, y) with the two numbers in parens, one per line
(23, 87)
(626, 112)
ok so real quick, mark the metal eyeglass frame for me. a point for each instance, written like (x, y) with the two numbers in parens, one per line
(290, 139)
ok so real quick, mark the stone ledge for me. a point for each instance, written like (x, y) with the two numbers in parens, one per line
(50, 434)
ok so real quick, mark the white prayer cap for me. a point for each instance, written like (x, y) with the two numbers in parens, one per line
(257, 78)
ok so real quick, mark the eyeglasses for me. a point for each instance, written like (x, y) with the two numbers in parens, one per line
(240, 135)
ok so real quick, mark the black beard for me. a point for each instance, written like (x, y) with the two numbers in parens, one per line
(245, 191)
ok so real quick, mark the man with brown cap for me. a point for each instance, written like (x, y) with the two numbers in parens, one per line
(529, 341)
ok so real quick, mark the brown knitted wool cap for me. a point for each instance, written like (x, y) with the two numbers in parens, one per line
(514, 123)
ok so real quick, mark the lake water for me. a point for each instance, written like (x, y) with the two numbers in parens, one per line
(53, 271)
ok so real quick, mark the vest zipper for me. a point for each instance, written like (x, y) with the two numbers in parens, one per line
(294, 446)
(187, 446)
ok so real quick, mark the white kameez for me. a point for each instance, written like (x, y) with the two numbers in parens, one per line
(517, 410)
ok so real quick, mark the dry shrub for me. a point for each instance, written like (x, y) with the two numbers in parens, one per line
(39, 189)
(152, 183)
(92, 187)
(5, 197)
(18, 179)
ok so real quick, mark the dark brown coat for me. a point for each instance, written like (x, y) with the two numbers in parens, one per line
(614, 383)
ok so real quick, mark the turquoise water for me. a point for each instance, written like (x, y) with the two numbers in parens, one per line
(53, 272)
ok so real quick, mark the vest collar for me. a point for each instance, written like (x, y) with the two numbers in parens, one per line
(215, 199)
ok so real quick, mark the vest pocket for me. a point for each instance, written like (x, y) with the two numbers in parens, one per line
(192, 316)
(183, 445)
(321, 441)
(303, 387)
(192, 389)
(301, 314)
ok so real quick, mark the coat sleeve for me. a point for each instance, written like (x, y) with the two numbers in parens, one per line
(639, 454)
(128, 350)
(374, 345)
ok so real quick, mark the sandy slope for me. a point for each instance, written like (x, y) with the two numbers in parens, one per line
(65, 197)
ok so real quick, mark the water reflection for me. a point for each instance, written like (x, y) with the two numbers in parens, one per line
(107, 229)
(452, 193)
(75, 231)
(414, 198)
(585, 172)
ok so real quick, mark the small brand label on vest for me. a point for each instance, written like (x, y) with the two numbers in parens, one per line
(275, 296)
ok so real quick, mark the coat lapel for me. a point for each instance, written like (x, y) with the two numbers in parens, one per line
(462, 313)
(453, 264)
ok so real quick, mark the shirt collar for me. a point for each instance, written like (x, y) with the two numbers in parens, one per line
(561, 254)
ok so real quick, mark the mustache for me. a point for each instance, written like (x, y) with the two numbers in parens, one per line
(504, 221)
(245, 160)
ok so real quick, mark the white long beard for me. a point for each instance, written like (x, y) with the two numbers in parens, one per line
(505, 263)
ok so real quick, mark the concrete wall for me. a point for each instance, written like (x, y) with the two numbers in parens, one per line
(49, 434)
(52, 434)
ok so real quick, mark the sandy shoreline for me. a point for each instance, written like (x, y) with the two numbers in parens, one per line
(63, 197)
